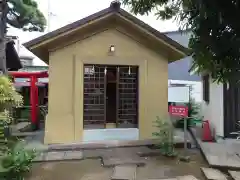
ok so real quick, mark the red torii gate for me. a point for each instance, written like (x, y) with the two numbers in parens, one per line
(33, 91)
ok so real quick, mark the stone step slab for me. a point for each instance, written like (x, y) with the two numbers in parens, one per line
(96, 176)
(111, 162)
(59, 156)
(235, 174)
(187, 177)
(213, 174)
(221, 155)
(124, 172)
(149, 153)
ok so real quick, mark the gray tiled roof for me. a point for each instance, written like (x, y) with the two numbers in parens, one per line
(179, 70)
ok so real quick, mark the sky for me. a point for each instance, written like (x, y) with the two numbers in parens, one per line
(62, 15)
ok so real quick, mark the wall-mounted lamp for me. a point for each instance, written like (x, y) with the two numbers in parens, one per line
(112, 48)
(105, 71)
(129, 70)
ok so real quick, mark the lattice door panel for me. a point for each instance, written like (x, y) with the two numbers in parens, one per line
(127, 112)
(94, 95)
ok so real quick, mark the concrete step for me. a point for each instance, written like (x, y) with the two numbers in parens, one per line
(23, 134)
(124, 172)
(213, 174)
(235, 174)
(19, 126)
(178, 141)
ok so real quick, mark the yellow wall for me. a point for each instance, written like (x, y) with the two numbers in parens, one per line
(64, 123)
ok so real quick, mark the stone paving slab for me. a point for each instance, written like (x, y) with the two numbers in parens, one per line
(188, 177)
(115, 152)
(213, 174)
(235, 174)
(124, 172)
(110, 162)
(96, 176)
(19, 126)
(54, 156)
(39, 157)
(73, 155)
(220, 155)
(149, 153)
(59, 156)
(108, 155)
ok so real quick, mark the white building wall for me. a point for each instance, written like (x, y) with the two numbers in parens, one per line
(22, 51)
(214, 110)
(196, 91)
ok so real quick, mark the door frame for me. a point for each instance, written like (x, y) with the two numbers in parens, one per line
(117, 91)
(231, 108)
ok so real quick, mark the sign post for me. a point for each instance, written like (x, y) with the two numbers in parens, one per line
(180, 94)
(181, 111)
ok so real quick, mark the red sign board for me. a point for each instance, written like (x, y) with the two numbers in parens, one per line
(178, 111)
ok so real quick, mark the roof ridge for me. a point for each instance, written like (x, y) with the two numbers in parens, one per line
(115, 5)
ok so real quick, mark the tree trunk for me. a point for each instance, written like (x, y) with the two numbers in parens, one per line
(3, 64)
(3, 23)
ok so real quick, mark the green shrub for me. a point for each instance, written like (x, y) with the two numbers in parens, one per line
(165, 135)
(9, 98)
(17, 162)
(193, 114)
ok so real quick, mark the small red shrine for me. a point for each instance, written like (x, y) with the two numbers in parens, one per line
(33, 76)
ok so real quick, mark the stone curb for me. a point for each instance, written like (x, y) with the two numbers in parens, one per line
(85, 146)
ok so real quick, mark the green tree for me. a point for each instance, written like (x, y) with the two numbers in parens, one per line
(22, 14)
(215, 39)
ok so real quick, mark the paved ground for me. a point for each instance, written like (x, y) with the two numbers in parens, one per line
(162, 167)
(93, 169)
(135, 163)
(221, 154)
(73, 170)
(101, 164)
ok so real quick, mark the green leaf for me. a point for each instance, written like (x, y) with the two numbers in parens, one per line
(215, 32)
(25, 14)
